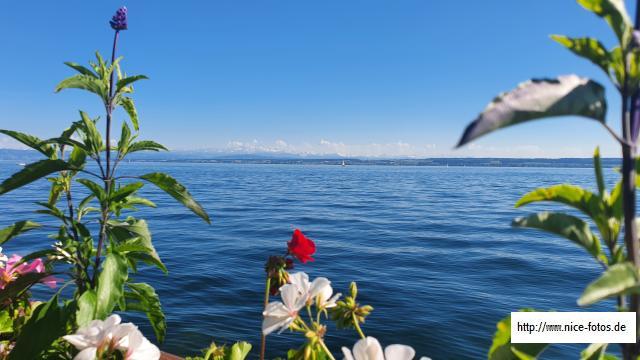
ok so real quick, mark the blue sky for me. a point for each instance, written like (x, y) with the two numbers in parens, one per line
(355, 77)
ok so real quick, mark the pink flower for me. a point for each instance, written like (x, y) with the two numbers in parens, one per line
(13, 269)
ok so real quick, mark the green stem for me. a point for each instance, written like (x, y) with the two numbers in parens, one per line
(326, 349)
(263, 340)
(310, 314)
(357, 326)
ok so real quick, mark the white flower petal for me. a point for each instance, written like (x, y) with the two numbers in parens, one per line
(347, 354)
(368, 349)
(145, 351)
(79, 341)
(399, 352)
(112, 321)
(273, 323)
(276, 309)
(291, 298)
(86, 354)
(318, 286)
(301, 281)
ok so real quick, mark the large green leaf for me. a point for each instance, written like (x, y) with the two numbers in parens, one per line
(142, 297)
(588, 48)
(86, 308)
(614, 13)
(567, 226)
(537, 99)
(172, 187)
(502, 349)
(95, 189)
(46, 324)
(85, 82)
(110, 291)
(16, 229)
(618, 279)
(33, 172)
(32, 142)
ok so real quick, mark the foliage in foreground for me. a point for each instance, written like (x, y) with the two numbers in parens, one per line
(608, 212)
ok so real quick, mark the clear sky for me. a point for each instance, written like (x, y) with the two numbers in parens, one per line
(355, 77)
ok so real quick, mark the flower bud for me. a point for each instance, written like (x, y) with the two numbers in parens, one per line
(119, 20)
(354, 289)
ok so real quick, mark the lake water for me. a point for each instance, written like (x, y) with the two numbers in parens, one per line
(431, 248)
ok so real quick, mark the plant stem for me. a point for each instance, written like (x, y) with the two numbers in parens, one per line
(326, 349)
(263, 340)
(107, 175)
(357, 326)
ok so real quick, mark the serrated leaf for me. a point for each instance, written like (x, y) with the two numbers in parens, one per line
(84, 82)
(537, 99)
(176, 190)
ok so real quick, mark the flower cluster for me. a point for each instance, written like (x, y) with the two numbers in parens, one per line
(119, 20)
(104, 339)
(13, 267)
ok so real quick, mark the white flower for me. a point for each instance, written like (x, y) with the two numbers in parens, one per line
(370, 349)
(324, 299)
(111, 334)
(279, 315)
(309, 290)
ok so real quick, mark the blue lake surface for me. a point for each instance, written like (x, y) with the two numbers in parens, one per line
(431, 249)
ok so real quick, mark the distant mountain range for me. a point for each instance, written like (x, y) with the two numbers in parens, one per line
(283, 158)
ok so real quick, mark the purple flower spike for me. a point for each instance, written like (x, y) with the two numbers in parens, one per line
(119, 20)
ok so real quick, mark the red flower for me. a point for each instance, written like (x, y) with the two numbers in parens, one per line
(301, 246)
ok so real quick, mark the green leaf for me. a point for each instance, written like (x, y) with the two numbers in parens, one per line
(92, 137)
(31, 141)
(239, 351)
(614, 13)
(86, 308)
(124, 191)
(110, 291)
(16, 229)
(597, 166)
(146, 145)
(46, 324)
(33, 172)
(133, 239)
(128, 106)
(128, 80)
(95, 189)
(142, 297)
(588, 48)
(81, 69)
(85, 82)
(78, 157)
(567, 226)
(537, 99)
(594, 352)
(176, 190)
(502, 349)
(125, 140)
(6, 323)
(618, 279)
